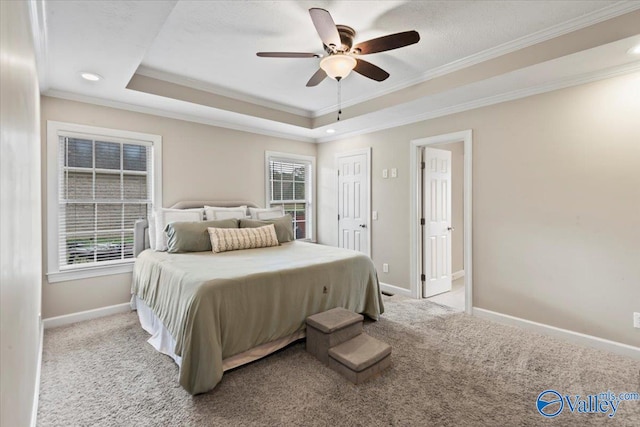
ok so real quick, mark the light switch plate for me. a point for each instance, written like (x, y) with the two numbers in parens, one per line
(385, 268)
(374, 215)
(394, 173)
(385, 173)
(636, 320)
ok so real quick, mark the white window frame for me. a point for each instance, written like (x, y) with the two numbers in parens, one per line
(309, 190)
(54, 129)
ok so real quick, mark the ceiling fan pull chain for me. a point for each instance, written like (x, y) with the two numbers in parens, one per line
(339, 98)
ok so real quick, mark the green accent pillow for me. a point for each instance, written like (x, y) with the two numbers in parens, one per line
(283, 224)
(194, 236)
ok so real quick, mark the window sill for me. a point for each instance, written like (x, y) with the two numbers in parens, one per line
(86, 273)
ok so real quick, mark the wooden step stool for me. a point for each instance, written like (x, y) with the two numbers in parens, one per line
(360, 358)
(330, 328)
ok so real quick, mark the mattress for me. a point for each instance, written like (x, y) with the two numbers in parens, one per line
(217, 306)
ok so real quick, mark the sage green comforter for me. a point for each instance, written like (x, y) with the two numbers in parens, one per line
(218, 305)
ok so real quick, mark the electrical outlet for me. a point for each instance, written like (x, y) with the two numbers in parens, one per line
(374, 215)
(394, 173)
(636, 320)
(385, 268)
(385, 173)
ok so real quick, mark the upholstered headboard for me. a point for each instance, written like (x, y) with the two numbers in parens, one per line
(188, 204)
(141, 228)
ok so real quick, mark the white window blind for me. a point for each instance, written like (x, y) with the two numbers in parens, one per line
(290, 186)
(99, 182)
(104, 187)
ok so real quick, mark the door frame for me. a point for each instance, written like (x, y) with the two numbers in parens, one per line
(367, 152)
(416, 145)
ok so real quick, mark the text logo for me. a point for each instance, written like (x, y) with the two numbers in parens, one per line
(550, 403)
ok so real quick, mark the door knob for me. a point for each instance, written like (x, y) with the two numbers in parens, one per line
(450, 228)
(363, 226)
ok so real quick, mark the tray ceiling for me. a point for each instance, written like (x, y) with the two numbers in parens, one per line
(196, 59)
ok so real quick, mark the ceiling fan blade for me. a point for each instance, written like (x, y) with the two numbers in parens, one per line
(318, 77)
(287, 55)
(371, 71)
(325, 27)
(384, 43)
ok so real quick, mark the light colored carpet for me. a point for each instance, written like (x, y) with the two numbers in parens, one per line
(449, 369)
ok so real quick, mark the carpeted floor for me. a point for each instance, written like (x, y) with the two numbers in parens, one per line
(449, 369)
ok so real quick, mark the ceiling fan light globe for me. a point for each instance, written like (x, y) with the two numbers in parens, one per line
(338, 66)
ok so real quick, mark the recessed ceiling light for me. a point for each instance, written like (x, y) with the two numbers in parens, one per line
(635, 50)
(92, 77)
(331, 131)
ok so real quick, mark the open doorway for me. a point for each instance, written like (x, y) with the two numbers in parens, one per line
(441, 219)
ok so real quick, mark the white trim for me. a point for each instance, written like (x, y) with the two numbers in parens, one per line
(286, 156)
(380, 125)
(458, 274)
(173, 115)
(367, 152)
(54, 128)
(67, 319)
(395, 290)
(565, 334)
(416, 145)
(490, 100)
(85, 273)
(36, 390)
(609, 12)
(222, 91)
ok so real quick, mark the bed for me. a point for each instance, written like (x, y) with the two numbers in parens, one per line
(212, 312)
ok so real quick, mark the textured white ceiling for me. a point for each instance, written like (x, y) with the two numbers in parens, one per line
(216, 42)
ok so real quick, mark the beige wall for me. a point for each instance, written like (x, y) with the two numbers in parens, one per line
(556, 205)
(200, 162)
(20, 251)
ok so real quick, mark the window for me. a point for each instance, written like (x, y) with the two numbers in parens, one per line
(290, 184)
(100, 182)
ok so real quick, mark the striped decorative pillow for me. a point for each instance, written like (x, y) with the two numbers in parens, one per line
(231, 239)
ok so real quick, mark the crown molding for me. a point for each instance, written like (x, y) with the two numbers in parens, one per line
(218, 90)
(38, 19)
(495, 99)
(608, 12)
(479, 103)
(172, 115)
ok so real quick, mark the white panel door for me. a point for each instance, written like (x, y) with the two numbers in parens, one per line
(353, 202)
(436, 242)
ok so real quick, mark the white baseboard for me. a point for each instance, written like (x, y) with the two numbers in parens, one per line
(394, 290)
(36, 390)
(67, 319)
(458, 274)
(565, 334)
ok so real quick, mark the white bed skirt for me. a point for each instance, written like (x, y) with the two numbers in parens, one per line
(162, 340)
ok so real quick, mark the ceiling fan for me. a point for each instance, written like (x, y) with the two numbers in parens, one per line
(342, 56)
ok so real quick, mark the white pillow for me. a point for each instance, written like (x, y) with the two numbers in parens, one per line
(217, 213)
(152, 231)
(165, 216)
(267, 213)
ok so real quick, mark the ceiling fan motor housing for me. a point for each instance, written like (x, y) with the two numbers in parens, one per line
(347, 34)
